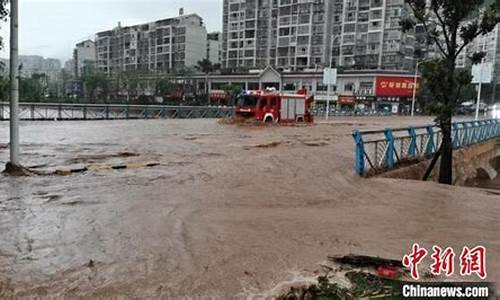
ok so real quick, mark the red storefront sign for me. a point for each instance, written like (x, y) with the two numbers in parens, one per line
(396, 86)
(347, 100)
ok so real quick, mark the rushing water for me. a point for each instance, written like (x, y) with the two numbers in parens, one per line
(229, 209)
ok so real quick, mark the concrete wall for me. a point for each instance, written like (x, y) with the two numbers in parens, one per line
(467, 163)
(472, 159)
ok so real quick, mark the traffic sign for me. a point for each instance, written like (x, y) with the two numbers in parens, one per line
(482, 73)
(330, 76)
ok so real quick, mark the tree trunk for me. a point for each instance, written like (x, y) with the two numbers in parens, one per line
(446, 167)
(434, 160)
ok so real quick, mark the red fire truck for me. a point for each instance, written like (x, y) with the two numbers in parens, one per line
(271, 106)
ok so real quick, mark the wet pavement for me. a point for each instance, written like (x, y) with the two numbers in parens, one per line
(230, 211)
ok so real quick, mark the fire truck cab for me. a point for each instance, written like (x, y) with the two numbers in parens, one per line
(270, 106)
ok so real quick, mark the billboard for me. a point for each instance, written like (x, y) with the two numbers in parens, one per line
(389, 86)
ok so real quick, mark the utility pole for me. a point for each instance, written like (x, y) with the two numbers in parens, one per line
(415, 82)
(329, 80)
(328, 94)
(480, 81)
(14, 84)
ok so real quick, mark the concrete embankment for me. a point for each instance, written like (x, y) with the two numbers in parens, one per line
(478, 161)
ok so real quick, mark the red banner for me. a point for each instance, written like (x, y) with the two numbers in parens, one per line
(396, 86)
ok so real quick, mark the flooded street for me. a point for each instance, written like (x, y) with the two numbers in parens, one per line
(229, 211)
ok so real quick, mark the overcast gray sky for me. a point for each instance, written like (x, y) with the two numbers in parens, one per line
(52, 27)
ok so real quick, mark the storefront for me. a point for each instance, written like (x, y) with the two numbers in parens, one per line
(366, 102)
(346, 102)
(395, 93)
(362, 90)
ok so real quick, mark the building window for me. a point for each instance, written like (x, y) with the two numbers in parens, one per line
(349, 87)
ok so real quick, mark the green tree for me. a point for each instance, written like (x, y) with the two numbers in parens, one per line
(164, 86)
(4, 88)
(207, 67)
(133, 83)
(232, 91)
(4, 82)
(3, 14)
(449, 26)
(96, 85)
(34, 88)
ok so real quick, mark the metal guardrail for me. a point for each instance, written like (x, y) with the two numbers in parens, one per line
(382, 150)
(67, 111)
(350, 113)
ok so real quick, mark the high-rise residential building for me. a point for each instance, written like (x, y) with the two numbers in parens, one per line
(285, 33)
(69, 67)
(367, 35)
(311, 34)
(164, 45)
(490, 45)
(214, 47)
(34, 64)
(84, 58)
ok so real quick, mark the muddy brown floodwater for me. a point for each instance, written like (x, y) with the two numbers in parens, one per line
(229, 212)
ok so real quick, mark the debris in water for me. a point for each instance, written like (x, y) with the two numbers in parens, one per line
(264, 145)
(315, 143)
(119, 167)
(268, 145)
(15, 170)
(361, 261)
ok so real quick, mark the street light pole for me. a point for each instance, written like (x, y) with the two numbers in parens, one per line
(14, 84)
(328, 93)
(479, 90)
(415, 81)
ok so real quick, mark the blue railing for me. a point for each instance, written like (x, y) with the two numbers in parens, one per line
(381, 150)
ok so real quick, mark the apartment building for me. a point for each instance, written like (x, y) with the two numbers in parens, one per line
(35, 64)
(490, 44)
(367, 35)
(214, 47)
(285, 33)
(312, 34)
(164, 45)
(84, 58)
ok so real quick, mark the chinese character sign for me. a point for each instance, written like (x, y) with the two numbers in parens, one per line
(387, 86)
(472, 261)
